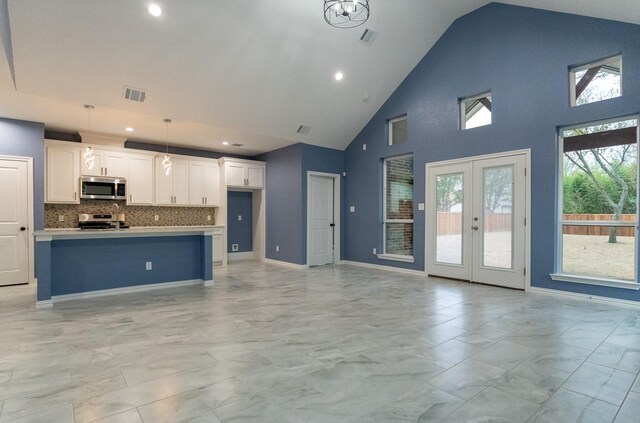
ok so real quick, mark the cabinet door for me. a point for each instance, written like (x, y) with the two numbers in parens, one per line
(180, 172)
(218, 248)
(114, 164)
(211, 184)
(196, 184)
(164, 184)
(140, 180)
(235, 174)
(63, 175)
(254, 176)
(90, 162)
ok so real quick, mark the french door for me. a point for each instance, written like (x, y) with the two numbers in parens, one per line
(476, 227)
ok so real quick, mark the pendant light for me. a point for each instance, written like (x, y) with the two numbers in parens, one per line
(89, 157)
(167, 160)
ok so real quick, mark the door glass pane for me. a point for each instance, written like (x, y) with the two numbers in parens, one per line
(449, 200)
(497, 235)
(599, 251)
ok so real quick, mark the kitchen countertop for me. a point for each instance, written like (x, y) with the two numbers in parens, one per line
(135, 231)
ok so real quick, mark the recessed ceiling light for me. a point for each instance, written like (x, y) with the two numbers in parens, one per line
(339, 76)
(154, 10)
(225, 142)
(128, 129)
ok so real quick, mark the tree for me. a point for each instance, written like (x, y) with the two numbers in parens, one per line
(448, 192)
(498, 186)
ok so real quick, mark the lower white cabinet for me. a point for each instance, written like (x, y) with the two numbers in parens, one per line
(218, 246)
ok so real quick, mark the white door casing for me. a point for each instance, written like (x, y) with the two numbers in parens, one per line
(14, 222)
(469, 236)
(323, 218)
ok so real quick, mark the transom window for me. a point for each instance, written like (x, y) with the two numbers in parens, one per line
(598, 196)
(596, 81)
(398, 207)
(398, 130)
(475, 111)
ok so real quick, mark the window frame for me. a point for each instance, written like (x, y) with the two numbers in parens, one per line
(385, 255)
(572, 79)
(463, 110)
(558, 273)
(390, 124)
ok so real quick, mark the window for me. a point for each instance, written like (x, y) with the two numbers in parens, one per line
(596, 81)
(398, 208)
(398, 130)
(475, 111)
(598, 217)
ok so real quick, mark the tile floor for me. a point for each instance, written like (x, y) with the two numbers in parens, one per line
(329, 344)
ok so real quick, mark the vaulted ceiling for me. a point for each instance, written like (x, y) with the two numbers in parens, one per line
(246, 71)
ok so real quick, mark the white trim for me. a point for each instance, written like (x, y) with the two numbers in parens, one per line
(123, 290)
(384, 205)
(30, 218)
(243, 255)
(578, 296)
(383, 267)
(207, 283)
(285, 264)
(396, 257)
(613, 283)
(337, 208)
(44, 304)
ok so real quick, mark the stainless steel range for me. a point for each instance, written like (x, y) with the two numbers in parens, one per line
(102, 221)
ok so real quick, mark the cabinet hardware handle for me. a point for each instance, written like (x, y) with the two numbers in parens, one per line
(106, 171)
(74, 195)
(130, 198)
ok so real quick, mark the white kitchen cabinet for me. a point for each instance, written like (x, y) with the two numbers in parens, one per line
(172, 189)
(63, 175)
(104, 163)
(204, 183)
(140, 180)
(244, 174)
(218, 246)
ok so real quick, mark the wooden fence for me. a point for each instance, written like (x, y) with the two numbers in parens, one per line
(451, 224)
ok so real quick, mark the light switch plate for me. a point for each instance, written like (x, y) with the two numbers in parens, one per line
(364, 147)
(239, 217)
(420, 206)
(352, 209)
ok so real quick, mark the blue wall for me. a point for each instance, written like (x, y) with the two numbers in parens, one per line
(522, 55)
(286, 182)
(239, 231)
(26, 139)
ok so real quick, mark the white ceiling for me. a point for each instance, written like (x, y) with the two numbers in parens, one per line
(246, 71)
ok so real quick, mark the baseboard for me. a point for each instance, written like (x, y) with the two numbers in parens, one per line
(245, 255)
(576, 295)
(383, 267)
(207, 283)
(44, 304)
(286, 264)
(118, 291)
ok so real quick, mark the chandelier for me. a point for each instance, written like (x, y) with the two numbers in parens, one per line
(346, 13)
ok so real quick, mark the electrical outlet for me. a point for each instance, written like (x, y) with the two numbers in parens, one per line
(352, 209)
(344, 173)
(156, 217)
(277, 248)
(148, 265)
(209, 217)
(364, 147)
(234, 247)
(375, 251)
(61, 218)
(239, 217)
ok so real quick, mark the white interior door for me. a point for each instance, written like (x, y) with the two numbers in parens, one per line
(476, 221)
(14, 236)
(321, 221)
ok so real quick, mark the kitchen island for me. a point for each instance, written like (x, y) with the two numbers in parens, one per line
(74, 263)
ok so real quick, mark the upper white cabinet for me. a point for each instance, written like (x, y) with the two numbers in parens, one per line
(243, 173)
(172, 189)
(140, 180)
(63, 176)
(204, 181)
(101, 162)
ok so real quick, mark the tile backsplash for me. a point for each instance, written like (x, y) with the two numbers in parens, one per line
(134, 215)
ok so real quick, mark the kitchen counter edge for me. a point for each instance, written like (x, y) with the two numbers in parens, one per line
(139, 231)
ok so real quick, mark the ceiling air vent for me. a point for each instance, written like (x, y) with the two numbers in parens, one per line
(135, 94)
(368, 36)
(235, 144)
(303, 129)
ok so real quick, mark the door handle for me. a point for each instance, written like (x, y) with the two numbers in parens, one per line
(475, 228)
(22, 228)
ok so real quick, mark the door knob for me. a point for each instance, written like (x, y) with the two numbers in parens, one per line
(22, 228)
(475, 228)
(332, 224)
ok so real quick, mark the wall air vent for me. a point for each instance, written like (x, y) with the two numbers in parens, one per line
(368, 36)
(135, 94)
(303, 129)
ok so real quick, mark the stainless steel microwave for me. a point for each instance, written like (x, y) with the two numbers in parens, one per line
(97, 188)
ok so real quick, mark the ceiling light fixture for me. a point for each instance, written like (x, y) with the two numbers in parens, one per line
(128, 129)
(154, 10)
(167, 160)
(346, 13)
(225, 143)
(338, 76)
(88, 156)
